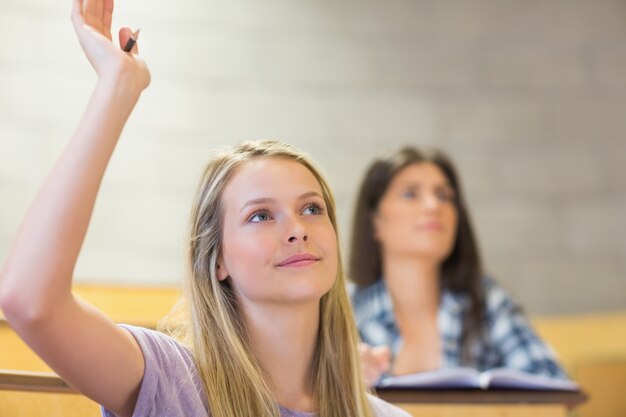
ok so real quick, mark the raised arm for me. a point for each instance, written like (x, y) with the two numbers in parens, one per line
(83, 346)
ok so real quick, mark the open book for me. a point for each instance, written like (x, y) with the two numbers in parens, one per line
(498, 378)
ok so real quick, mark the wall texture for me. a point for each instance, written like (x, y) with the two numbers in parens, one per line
(529, 97)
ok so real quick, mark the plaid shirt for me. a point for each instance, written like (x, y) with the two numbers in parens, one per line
(509, 340)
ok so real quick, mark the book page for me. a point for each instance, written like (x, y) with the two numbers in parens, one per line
(514, 379)
(445, 378)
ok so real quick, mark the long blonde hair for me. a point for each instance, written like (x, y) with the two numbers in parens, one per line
(216, 330)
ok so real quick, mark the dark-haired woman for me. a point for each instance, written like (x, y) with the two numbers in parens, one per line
(420, 297)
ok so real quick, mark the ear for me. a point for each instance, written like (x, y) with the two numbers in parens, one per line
(222, 272)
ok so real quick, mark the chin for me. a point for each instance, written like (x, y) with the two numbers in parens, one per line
(435, 254)
(306, 292)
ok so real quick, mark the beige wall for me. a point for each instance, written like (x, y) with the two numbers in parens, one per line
(528, 97)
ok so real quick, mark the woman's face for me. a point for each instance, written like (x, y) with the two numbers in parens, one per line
(416, 217)
(279, 245)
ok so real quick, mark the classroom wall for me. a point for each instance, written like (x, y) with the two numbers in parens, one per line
(528, 97)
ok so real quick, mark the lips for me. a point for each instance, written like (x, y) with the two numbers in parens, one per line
(435, 226)
(300, 259)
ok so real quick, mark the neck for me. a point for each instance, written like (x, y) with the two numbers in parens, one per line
(283, 339)
(414, 287)
(413, 283)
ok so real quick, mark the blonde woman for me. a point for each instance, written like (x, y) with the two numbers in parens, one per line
(270, 328)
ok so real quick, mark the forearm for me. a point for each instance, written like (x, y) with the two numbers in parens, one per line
(39, 268)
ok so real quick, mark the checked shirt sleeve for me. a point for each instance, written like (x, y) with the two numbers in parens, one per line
(513, 337)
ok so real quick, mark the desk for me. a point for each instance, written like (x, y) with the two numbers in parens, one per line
(11, 380)
(31, 394)
(483, 403)
(132, 305)
(431, 403)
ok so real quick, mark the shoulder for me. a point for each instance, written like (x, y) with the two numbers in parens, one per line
(371, 301)
(382, 408)
(361, 295)
(159, 347)
(170, 382)
(496, 296)
(505, 317)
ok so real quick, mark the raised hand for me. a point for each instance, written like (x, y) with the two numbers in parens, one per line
(99, 359)
(92, 23)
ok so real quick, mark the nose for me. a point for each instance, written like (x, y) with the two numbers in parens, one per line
(431, 201)
(293, 239)
(296, 232)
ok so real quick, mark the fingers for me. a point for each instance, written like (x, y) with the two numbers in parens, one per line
(92, 11)
(99, 11)
(88, 12)
(377, 355)
(382, 354)
(124, 37)
(107, 17)
(77, 12)
(108, 6)
(375, 361)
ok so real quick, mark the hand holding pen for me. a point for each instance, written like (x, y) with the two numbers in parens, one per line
(92, 23)
(131, 42)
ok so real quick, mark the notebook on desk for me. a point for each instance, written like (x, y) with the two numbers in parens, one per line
(468, 378)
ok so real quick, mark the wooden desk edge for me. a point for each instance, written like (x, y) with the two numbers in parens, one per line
(11, 380)
(470, 396)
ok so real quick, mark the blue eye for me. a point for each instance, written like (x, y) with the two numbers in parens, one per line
(259, 216)
(313, 209)
(445, 195)
(409, 194)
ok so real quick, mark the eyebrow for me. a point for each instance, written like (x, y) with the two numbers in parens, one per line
(267, 200)
(446, 183)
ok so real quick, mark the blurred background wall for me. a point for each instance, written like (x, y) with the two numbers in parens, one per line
(529, 98)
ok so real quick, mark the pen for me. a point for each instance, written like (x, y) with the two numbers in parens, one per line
(131, 41)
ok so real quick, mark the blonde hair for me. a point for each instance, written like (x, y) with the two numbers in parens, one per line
(216, 332)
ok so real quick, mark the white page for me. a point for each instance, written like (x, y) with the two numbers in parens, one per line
(514, 379)
(439, 378)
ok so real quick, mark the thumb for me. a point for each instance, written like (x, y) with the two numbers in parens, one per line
(125, 37)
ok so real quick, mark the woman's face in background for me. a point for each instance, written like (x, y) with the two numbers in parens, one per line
(417, 217)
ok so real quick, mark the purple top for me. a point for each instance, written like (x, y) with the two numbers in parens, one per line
(171, 386)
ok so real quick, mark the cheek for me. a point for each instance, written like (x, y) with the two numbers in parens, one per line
(325, 236)
(325, 239)
(332, 249)
(256, 250)
(452, 221)
(249, 278)
(391, 225)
